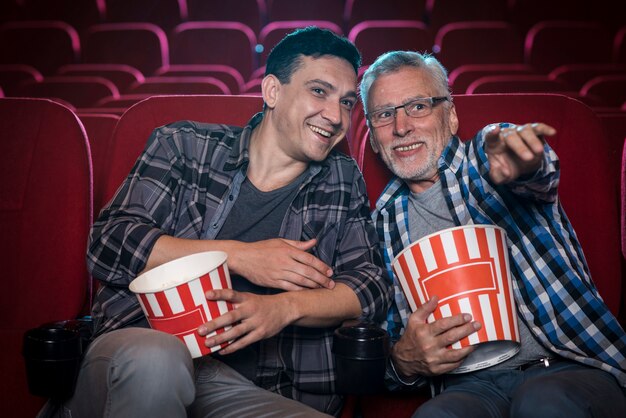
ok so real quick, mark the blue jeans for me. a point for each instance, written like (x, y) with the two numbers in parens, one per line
(565, 389)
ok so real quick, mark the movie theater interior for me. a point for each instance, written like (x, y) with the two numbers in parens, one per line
(83, 83)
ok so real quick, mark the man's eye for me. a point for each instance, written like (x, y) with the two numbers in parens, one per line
(348, 104)
(384, 115)
(418, 106)
(318, 91)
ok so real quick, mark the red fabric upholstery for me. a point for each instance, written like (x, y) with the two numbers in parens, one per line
(46, 45)
(554, 43)
(163, 13)
(517, 83)
(136, 125)
(119, 74)
(623, 198)
(213, 43)
(576, 75)
(357, 11)
(80, 91)
(611, 89)
(229, 75)
(179, 85)
(488, 42)
(329, 10)
(45, 215)
(374, 37)
(441, 12)
(619, 46)
(143, 46)
(249, 12)
(580, 142)
(99, 129)
(461, 77)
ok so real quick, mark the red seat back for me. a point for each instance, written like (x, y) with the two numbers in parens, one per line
(45, 215)
(138, 122)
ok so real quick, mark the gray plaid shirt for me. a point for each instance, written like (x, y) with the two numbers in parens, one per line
(184, 185)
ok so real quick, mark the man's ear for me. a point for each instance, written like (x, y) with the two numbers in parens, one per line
(270, 87)
(453, 120)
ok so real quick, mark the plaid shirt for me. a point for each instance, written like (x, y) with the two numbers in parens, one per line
(546, 259)
(184, 185)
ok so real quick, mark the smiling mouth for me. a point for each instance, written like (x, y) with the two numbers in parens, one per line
(408, 147)
(320, 131)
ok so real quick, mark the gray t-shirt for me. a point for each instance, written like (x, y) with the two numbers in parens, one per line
(428, 213)
(255, 216)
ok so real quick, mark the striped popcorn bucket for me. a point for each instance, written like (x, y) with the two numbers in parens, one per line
(467, 268)
(172, 297)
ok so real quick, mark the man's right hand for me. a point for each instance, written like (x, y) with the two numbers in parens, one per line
(281, 264)
(423, 348)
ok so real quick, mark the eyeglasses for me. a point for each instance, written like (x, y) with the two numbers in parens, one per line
(417, 108)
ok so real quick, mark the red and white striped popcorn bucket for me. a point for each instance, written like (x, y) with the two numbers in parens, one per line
(172, 297)
(467, 268)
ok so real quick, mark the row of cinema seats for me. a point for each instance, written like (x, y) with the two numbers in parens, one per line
(112, 65)
(345, 14)
(58, 168)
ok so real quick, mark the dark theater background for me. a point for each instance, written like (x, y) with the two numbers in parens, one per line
(98, 63)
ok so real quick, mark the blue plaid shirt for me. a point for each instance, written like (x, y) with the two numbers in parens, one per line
(184, 185)
(553, 289)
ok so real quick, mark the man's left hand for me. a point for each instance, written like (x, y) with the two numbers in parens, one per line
(253, 318)
(515, 151)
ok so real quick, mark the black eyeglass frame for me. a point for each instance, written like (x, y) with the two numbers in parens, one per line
(434, 101)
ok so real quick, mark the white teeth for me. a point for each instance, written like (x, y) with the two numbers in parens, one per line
(320, 131)
(409, 147)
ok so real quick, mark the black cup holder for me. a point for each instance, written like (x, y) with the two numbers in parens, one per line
(361, 353)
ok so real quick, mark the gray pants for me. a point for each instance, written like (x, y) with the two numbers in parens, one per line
(565, 389)
(138, 372)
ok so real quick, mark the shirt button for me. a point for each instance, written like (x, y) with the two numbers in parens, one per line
(230, 197)
(214, 226)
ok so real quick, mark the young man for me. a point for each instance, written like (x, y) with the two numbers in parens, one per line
(572, 360)
(291, 214)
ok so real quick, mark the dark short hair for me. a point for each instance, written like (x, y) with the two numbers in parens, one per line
(286, 57)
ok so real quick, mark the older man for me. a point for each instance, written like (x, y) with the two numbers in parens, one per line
(572, 360)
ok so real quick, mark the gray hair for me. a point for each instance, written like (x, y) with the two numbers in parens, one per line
(392, 61)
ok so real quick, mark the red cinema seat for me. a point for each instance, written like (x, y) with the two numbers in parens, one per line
(553, 43)
(580, 142)
(517, 83)
(461, 77)
(623, 199)
(77, 13)
(374, 37)
(273, 32)
(249, 12)
(227, 74)
(611, 89)
(463, 43)
(123, 76)
(45, 207)
(163, 13)
(357, 11)
(225, 43)
(576, 75)
(99, 128)
(45, 45)
(179, 85)
(138, 122)
(441, 12)
(12, 75)
(143, 46)
(526, 13)
(329, 10)
(619, 46)
(80, 91)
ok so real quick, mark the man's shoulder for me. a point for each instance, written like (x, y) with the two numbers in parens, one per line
(199, 129)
